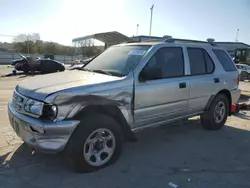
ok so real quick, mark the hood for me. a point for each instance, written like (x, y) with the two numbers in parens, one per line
(39, 87)
(14, 62)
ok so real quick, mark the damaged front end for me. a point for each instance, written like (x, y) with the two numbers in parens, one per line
(49, 113)
(70, 105)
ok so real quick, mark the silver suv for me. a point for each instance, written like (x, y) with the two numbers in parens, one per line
(88, 113)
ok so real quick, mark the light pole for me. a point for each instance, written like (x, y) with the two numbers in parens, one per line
(237, 34)
(152, 8)
(28, 45)
(137, 28)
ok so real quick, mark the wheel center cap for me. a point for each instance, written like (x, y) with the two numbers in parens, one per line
(98, 145)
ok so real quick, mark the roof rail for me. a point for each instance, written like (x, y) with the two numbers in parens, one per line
(209, 41)
(153, 40)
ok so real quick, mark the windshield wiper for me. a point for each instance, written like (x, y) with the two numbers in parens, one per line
(110, 73)
(102, 71)
(85, 70)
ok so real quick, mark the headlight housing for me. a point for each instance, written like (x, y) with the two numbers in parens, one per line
(49, 111)
(40, 109)
(34, 107)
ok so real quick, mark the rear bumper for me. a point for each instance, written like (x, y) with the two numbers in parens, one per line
(45, 136)
(235, 95)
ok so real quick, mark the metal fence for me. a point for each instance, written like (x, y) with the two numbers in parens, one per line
(6, 58)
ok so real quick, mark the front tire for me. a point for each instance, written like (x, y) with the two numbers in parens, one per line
(95, 143)
(216, 115)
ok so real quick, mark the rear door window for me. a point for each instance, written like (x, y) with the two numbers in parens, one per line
(225, 60)
(197, 61)
(209, 62)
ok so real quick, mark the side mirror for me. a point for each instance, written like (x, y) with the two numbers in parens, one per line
(150, 74)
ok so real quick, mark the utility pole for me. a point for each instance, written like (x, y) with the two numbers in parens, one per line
(152, 8)
(237, 34)
(137, 28)
(28, 45)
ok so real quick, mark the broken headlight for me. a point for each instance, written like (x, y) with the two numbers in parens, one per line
(49, 111)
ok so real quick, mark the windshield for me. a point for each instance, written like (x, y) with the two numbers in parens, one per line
(118, 60)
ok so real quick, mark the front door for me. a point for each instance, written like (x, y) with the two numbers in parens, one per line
(162, 92)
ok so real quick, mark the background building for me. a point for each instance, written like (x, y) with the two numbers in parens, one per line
(229, 46)
(111, 38)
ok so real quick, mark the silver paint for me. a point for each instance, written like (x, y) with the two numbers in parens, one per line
(39, 87)
(46, 136)
(143, 104)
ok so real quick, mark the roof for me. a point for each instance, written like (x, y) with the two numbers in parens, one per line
(175, 41)
(113, 37)
(233, 44)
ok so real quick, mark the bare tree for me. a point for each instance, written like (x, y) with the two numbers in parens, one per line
(27, 39)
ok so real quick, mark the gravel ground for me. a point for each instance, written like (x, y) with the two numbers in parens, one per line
(182, 153)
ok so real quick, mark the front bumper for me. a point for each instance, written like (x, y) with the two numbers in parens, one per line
(235, 95)
(45, 136)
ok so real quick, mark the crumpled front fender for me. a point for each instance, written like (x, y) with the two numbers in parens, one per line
(69, 105)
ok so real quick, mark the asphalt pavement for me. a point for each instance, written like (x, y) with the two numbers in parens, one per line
(182, 154)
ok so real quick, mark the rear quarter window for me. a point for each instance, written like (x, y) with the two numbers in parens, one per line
(225, 60)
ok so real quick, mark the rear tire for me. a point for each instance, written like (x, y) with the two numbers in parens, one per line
(216, 115)
(62, 69)
(88, 148)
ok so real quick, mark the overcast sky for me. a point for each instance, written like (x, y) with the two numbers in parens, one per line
(62, 20)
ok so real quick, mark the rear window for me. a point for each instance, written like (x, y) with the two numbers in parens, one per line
(225, 60)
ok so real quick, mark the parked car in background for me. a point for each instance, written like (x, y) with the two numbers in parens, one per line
(89, 113)
(242, 55)
(41, 65)
(14, 62)
(80, 66)
(244, 71)
(77, 67)
(243, 67)
(77, 62)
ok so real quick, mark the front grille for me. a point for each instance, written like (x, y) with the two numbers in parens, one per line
(18, 101)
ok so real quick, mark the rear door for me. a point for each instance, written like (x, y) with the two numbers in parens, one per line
(202, 78)
(229, 77)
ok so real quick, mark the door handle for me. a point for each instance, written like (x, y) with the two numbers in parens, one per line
(216, 80)
(182, 85)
